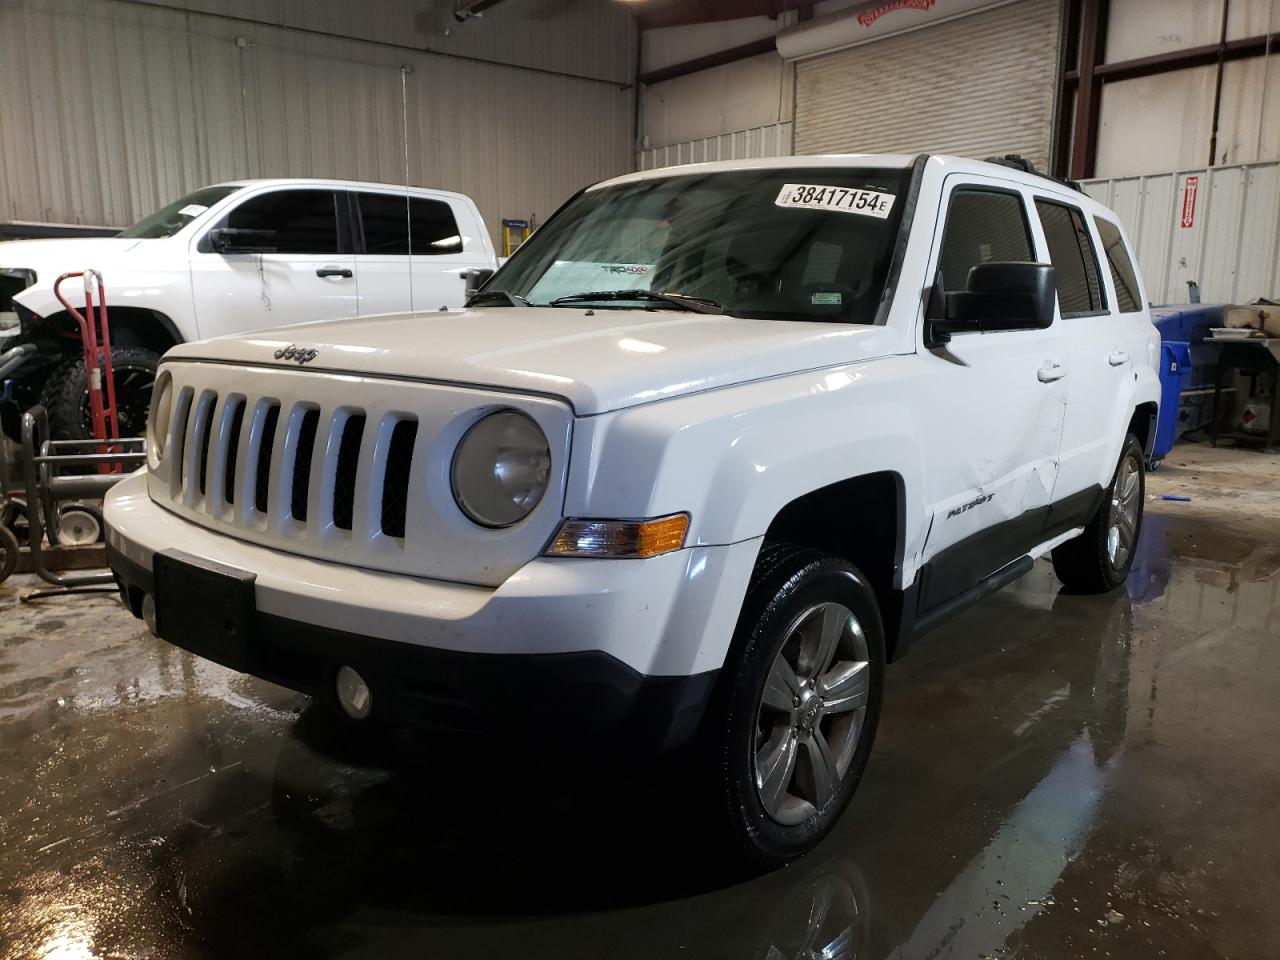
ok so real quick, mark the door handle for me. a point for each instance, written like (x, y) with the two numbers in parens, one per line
(334, 272)
(1119, 358)
(1051, 372)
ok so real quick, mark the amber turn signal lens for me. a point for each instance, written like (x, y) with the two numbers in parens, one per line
(620, 538)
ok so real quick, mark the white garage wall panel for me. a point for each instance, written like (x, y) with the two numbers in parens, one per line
(975, 86)
(773, 140)
(1231, 246)
(744, 95)
(109, 109)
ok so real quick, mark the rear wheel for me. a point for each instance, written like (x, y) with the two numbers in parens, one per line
(798, 702)
(1100, 558)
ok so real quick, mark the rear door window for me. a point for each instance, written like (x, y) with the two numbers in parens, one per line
(1123, 277)
(302, 221)
(427, 228)
(983, 226)
(1075, 263)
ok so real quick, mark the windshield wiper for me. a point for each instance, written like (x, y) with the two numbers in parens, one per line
(499, 298)
(679, 300)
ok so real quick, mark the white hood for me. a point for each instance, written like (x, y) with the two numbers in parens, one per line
(600, 362)
(49, 258)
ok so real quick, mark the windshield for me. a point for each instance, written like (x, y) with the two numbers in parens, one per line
(793, 244)
(167, 221)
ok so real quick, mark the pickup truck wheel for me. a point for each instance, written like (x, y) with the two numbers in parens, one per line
(66, 394)
(800, 700)
(1100, 558)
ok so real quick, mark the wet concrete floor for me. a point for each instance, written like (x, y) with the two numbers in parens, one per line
(1055, 777)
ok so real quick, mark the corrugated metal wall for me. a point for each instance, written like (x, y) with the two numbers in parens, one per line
(975, 86)
(110, 108)
(1232, 245)
(773, 140)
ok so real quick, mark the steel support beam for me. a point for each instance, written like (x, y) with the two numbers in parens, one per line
(1092, 48)
(717, 59)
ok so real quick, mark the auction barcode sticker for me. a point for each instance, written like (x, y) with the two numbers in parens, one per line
(810, 196)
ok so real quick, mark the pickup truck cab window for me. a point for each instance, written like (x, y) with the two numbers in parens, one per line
(983, 226)
(169, 219)
(299, 221)
(800, 244)
(1123, 277)
(1074, 260)
(427, 228)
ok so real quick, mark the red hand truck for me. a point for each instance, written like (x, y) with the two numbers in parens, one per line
(95, 339)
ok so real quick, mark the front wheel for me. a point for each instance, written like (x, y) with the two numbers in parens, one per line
(66, 394)
(798, 702)
(1099, 559)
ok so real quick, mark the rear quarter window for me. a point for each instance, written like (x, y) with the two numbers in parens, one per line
(1123, 277)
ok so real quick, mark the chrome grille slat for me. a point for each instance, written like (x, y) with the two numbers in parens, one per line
(234, 454)
(350, 444)
(203, 464)
(263, 449)
(304, 427)
(192, 459)
(177, 439)
(394, 477)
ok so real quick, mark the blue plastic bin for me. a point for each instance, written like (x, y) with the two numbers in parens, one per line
(1191, 322)
(1175, 371)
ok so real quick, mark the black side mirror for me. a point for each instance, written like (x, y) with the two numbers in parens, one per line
(476, 278)
(238, 240)
(997, 296)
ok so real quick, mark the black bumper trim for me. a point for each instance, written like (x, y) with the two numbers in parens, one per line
(570, 697)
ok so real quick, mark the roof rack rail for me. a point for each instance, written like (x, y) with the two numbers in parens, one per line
(1017, 162)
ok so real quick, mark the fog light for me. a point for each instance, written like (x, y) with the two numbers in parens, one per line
(149, 613)
(354, 695)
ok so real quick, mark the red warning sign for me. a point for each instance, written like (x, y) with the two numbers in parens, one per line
(1189, 188)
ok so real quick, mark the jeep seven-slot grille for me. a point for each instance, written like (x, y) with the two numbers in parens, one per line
(225, 435)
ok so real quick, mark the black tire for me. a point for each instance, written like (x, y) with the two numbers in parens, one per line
(8, 553)
(14, 516)
(1088, 563)
(788, 581)
(66, 394)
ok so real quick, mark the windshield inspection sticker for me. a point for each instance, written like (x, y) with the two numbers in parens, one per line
(810, 196)
(827, 298)
(192, 210)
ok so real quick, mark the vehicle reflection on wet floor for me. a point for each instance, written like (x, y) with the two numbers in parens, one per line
(1053, 775)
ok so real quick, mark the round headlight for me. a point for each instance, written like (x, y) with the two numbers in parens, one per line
(500, 469)
(158, 418)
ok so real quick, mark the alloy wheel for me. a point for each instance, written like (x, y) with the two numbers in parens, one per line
(811, 712)
(1122, 523)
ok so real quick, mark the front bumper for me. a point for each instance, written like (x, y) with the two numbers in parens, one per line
(627, 647)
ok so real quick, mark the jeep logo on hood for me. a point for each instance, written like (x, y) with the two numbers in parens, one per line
(300, 355)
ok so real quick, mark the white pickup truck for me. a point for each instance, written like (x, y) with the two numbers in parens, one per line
(233, 258)
(715, 445)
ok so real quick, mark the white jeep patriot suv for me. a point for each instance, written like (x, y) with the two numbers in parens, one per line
(710, 449)
(232, 258)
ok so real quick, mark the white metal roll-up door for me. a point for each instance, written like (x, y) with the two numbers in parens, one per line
(975, 86)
